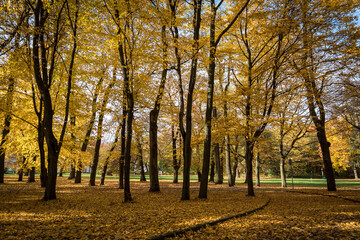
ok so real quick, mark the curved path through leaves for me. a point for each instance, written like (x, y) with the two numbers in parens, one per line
(212, 223)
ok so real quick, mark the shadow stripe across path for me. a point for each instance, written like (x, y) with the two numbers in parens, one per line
(204, 225)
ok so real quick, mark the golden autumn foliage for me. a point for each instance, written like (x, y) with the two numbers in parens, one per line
(83, 212)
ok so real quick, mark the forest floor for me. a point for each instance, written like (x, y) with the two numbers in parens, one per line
(83, 212)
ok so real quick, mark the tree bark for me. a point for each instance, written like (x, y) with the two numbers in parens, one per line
(227, 161)
(282, 172)
(72, 171)
(249, 146)
(6, 130)
(31, 177)
(154, 114)
(122, 153)
(210, 92)
(257, 169)
(212, 171)
(174, 153)
(314, 99)
(194, 62)
(219, 170)
(154, 178)
(355, 172)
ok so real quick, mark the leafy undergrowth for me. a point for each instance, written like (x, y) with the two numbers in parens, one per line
(83, 212)
(294, 216)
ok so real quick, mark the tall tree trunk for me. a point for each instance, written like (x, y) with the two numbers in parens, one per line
(219, 174)
(227, 161)
(314, 99)
(249, 146)
(234, 173)
(282, 172)
(122, 151)
(174, 153)
(6, 130)
(194, 62)
(154, 114)
(154, 178)
(210, 93)
(127, 193)
(257, 169)
(41, 138)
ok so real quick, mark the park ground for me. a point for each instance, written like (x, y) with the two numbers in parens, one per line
(82, 212)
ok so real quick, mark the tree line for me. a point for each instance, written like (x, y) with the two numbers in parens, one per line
(212, 82)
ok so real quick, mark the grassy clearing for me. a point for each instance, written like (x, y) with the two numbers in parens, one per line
(83, 212)
(305, 182)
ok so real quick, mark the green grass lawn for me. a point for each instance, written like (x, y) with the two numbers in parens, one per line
(317, 182)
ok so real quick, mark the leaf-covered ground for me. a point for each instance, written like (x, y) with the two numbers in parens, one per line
(83, 212)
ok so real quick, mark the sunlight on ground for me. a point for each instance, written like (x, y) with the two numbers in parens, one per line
(85, 212)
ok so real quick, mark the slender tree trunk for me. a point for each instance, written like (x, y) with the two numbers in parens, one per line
(212, 171)
(127, 194)
(174, 153)
(209, 106)
(103, 174)
(194, 62)
(282, 172)
(234, 173)
(6, 130)
(314, 99)
(227, 161)
(122, 147)
(355, 172)
(249, 146)
(257, 169)
(41, 138)
(154, 114)
(219, 174)
(154, 178)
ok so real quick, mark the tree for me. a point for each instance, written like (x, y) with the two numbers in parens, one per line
(186, 133)
(100, 128)
(317, 62)
(214, 41)
(44, 66)
(7, 122)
